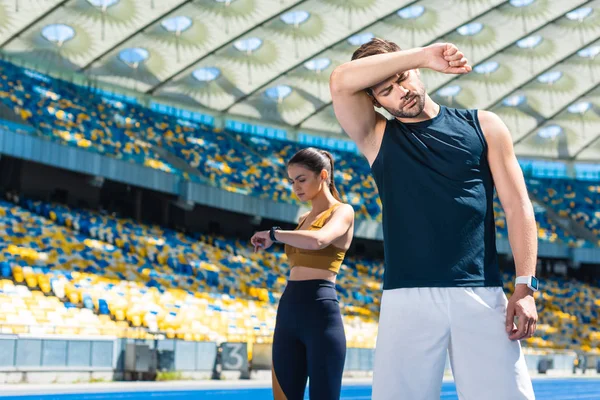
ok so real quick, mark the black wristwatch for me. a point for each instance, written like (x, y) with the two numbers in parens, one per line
(272, 234)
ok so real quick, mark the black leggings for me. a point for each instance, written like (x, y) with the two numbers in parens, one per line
(309, 341)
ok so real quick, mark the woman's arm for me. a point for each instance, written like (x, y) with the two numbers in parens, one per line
(339, 223)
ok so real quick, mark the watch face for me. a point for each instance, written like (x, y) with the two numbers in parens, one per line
(534, 283)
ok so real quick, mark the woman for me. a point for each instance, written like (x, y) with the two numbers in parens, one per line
(309, 339)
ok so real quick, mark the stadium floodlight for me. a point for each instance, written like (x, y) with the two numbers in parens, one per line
(514, 100)
(176, 24)
(529, 42)
(103, 3)
(449, 91)
(279, 92)
(134, 56)
(521, 3)
(589, 52)
(470, 29)
(550, 132)
(317, 64)
(579, 108)
(58, 33)
(206, 74)
(579, 14)
(295, 17)
(411, 12)
(360, 38)
(487, 67)
(248, 45)
(550, 77)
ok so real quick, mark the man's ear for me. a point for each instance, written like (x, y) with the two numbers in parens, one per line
(373, 99)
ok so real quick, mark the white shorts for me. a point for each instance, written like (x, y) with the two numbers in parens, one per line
(418, 327)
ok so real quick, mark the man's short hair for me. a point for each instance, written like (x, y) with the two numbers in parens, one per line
(375, 46)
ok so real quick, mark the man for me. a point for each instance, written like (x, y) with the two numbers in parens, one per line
(435, 169)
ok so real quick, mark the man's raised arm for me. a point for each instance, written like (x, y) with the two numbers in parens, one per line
(348, 84)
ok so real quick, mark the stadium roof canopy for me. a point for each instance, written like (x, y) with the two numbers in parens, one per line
(536, 61)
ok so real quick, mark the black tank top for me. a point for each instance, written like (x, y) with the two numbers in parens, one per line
(437, 193)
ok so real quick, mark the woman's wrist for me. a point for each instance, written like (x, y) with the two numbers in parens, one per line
(272, 234)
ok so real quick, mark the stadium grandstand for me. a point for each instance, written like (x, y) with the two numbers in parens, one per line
(142, 142)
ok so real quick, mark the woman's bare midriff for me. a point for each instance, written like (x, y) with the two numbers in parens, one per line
(305, 273)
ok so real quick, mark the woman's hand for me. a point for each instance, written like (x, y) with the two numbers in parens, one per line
(261, 240)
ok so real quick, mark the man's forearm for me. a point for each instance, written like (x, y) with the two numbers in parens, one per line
(364, 73)
(522, 235)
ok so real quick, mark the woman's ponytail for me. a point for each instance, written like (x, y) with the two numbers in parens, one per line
(332, 187)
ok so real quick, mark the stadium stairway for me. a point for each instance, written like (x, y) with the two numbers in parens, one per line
(180, 164)
(566, 223)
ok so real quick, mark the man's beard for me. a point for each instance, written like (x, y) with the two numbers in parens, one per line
(411, 112)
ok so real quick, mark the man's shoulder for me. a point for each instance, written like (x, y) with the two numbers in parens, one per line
(462, 113)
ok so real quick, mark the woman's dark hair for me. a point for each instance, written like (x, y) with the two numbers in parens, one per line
(317, 160)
